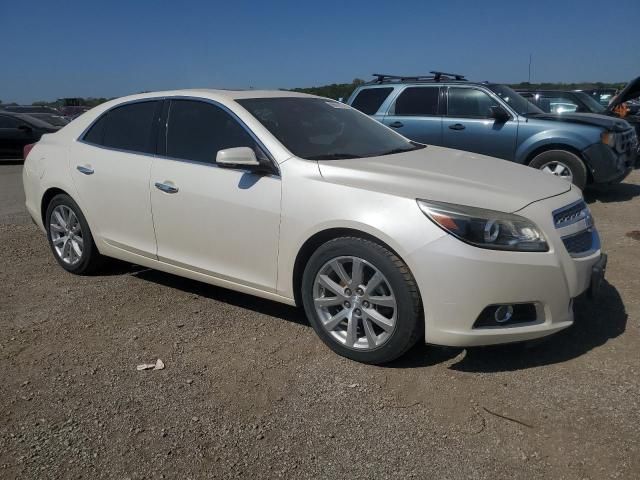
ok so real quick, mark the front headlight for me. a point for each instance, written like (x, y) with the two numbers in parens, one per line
(486, 228)
(609, 138)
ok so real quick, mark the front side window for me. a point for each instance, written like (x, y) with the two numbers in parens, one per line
(322, 129)
(198, 130)
(469, 102)
(128, 127)
(418, 101)
(369, 100)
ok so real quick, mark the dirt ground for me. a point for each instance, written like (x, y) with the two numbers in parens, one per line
(249, 391)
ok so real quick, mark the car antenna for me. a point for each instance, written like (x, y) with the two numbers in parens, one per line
(526, 112)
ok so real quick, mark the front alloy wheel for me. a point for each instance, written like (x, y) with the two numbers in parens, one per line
(362, 300)
(355, 303)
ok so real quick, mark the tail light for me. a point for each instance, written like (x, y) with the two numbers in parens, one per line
(27, 149)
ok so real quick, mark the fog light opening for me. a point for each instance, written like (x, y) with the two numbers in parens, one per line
(503, 313)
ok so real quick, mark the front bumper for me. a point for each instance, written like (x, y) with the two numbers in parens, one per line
(608, 166)
(458, 281)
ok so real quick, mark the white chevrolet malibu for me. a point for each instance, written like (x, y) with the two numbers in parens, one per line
(306, 201)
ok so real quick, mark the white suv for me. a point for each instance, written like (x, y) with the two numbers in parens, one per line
(306, 201)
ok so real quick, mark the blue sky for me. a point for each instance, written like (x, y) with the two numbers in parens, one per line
(111, 48)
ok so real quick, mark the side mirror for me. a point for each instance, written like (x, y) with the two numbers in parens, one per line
(237, 157)
(499, 113)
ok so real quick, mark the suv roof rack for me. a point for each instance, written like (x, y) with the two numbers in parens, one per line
(435, 76)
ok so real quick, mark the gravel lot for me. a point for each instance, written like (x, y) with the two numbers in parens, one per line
(249, 391)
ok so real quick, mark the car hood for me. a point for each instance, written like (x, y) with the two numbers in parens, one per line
(629, 92)
(595, 119)
(446, 175)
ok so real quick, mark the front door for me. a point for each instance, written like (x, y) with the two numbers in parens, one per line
(219, 221)
(469, 125)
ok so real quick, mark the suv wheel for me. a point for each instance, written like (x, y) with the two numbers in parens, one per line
(562, 163)
(361, 300)
(69, 236)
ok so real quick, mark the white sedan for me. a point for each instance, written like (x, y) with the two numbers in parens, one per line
(306, 201)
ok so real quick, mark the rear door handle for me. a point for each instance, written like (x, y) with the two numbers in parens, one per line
(84, 169)
(166, 188)
(457, 126)
(396, 124)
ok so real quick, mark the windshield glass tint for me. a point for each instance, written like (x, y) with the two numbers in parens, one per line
(322, 129)
(591, 103)
(514, 99)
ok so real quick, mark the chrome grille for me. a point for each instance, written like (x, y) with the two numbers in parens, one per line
(627, 142)
(570, 214)
(574, 224)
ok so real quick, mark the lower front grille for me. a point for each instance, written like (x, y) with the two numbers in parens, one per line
(580, 242)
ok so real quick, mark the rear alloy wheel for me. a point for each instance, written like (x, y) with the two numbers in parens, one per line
(69, 236)
(362, 300)
(563, 164)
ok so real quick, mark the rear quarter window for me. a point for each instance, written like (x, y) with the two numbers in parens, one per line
(369, 100)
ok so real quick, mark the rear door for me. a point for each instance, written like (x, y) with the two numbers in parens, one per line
(416, 114)
(110, 167)
(468, 124)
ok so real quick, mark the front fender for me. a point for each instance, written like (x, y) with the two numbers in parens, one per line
(577, 140)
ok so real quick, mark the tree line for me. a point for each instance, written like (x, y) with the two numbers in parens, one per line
(343, 90)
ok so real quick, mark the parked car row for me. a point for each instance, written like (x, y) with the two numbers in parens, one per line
(21, 125)
(385, 241)
(494, 120)
(560, 101)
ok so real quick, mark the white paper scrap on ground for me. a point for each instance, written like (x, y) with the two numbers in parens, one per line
(159, 365)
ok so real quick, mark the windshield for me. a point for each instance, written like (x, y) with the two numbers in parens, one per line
(323, 129)
(591, 103)
(514, 99)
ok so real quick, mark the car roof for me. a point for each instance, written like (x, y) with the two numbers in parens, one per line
(215, 94)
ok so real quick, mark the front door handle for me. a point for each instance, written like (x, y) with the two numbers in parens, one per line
(396, 124)
(166, 188)
(457, 126)
(84, 169)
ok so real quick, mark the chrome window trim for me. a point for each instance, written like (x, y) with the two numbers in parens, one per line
(80, 138)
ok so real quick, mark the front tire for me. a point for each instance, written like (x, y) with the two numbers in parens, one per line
(564, 164)
(70, 238)
(362, 300)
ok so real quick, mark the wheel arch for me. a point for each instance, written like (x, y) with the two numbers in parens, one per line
(319, 238)
(560, 146)
(46, 199)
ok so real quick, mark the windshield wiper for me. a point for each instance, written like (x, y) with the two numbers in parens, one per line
(401, 150)
(333, 156)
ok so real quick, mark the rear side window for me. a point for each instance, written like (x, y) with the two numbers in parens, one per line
(418, 101)
(369, 100)
(198, 130)
(129, 127)
(469, 102)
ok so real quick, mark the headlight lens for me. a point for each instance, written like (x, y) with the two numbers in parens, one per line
(486, 228)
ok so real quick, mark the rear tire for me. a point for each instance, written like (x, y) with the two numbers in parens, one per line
(362, 300)
(564, 164)
(70, 238)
